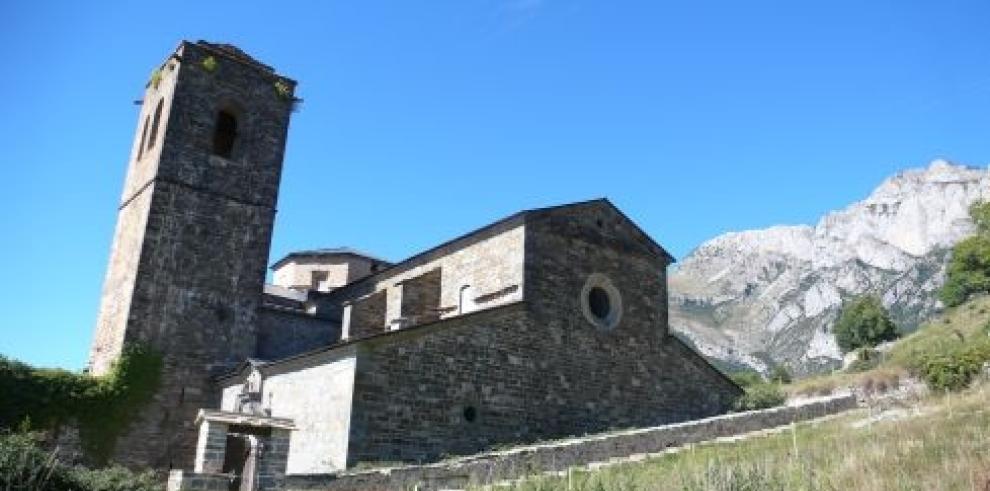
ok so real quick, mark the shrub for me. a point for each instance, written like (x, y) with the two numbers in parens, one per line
(954, 369)
(115, 478)
(780, 375)
(24, 465)
(760, 396)
(866, 359)
(101, 407)
(747, 378)
(864, 322)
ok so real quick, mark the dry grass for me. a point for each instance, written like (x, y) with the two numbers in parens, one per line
(877, 380)
(945, 445)
(955, 327)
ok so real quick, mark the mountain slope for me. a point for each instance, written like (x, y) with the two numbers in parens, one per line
(762, 297)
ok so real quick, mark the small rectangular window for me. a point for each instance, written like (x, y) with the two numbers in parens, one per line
(319, 280)
(224, 135)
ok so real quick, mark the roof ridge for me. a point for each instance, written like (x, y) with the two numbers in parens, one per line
(234, 52)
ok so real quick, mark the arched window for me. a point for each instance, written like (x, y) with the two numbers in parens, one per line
(154, 124)
(224, 134)
(144, 136)
(599, 303)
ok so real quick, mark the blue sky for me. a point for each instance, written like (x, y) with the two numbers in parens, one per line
(424, 120)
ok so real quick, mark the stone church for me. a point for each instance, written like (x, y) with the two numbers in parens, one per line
(547, 323)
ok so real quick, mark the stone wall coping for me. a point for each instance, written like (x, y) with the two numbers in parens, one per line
(843, 400)
(232, 418)
(299, 313)
(285, 292)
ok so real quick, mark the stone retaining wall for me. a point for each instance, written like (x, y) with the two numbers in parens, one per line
(555, 456)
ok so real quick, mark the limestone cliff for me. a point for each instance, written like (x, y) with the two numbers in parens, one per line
(769, 296)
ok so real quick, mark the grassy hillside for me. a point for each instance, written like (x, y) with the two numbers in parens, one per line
(941, 443)
(958, 328)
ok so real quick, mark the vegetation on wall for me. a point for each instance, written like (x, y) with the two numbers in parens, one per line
(283, 90)
(209, 64)
(156, 78)
(99, 407)
(863, 323)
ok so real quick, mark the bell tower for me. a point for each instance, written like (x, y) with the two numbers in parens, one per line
(194, 227)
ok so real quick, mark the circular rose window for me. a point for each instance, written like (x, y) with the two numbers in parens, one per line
(601, 302)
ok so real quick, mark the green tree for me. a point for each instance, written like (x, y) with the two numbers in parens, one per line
(864, 322)
(980, 213)
(969, 269)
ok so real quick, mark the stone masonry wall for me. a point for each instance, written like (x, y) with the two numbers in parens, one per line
(115, 301)
(270, 473)
(299, 273)
(132, 216)
(272, 464)
(540, 369)
(647, 377)
(493, 467)
(365, 316)
(489, 262)
(488, 265)
(412, 388)
(421, 297)
(315, 392)
(204, 252)
(282, 333)
(211, 447)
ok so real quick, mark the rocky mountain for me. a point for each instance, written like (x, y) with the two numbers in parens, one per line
(764, 297)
